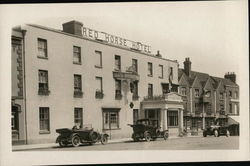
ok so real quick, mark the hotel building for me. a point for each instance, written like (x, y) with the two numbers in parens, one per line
(81, 76)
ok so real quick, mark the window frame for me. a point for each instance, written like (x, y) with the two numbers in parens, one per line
(175, 121)
(195, 92)
(150, 86)
(99, 53)
(79, 61)
(41, 121)
(75, 88)
(161, 71)
(118, 92)
(150, 69)
(135, 65)
(43, 88)
(45, 50)
(118, 66)
(181, 91)
(78, 110)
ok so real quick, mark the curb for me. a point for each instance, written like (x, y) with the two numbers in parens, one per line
(51, 145)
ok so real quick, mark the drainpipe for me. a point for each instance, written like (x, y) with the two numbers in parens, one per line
(24, 89)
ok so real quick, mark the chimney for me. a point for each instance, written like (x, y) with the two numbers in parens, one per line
(158, 54)
(73, 27)
(230, 76)
(187, 66)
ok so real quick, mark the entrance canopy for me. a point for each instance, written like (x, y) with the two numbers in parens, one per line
(233, 120)
(170, 100)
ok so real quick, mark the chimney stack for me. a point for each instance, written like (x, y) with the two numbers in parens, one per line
(158, 54)
(73, 27)
(187, 66)
(230, 76)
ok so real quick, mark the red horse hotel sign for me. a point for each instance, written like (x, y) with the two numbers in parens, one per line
(114, 40)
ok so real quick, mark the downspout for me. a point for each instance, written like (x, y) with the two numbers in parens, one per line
(24, 89)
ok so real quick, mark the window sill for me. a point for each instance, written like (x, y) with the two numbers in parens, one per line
(150, 75)
(40, 57)
(160, 77)
(77, 63)
(99, 67)
(44, 132)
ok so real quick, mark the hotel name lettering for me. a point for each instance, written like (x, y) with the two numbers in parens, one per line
(114, 40)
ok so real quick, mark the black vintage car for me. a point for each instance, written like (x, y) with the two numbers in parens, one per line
(147, 129)
(76, 136)
(216, 130)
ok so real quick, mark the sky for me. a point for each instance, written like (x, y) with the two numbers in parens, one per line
(212, 34)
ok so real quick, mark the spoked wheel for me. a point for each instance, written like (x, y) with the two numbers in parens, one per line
(216, 133)
(63, 143)
(228, 133)
(104, 140)
(147, 137)
(76, 141)
(165, 135)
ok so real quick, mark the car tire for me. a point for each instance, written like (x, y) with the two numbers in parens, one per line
(147, 136)
(227, 133)
(76, 141)
(165, 135)
(216, 133)
(62, 143)
(93, 136)
(104, 140)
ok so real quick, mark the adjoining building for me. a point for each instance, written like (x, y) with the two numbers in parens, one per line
(208, 100)
(82, 76)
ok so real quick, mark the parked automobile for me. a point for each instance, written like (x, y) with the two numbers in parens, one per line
(216, 130)
(147, 129)
(76, 136)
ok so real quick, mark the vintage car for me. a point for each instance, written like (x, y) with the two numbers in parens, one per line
(216, 130)
(76, 136)
(147, 129)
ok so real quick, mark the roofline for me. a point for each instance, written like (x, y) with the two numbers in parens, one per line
(96, 41)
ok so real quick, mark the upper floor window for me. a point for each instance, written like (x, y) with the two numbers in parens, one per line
(99, 89)
(236, 95)
(221, 96)
(78, 86)
(161, 71)
(150, 90)
(117, 62)
(135, 65)
(150, 69)
(44, 119)
(42, 48)
(77, 55)
(134, 90)
(183, 91)
(222, 107)
(99, 59)
(230, 108)
(78, 120)
(230, 94)
(207, 93)
(196, 93)
(118, 91)
(43, 82)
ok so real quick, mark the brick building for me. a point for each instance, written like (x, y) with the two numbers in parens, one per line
(206, 99)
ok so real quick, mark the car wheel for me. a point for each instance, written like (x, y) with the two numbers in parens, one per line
(62, 143)
(204, 134)
(216, 133)
(165, 135)
(93, 136)
(227, 133)
(147, 137)
(76, 141)
(104, 140)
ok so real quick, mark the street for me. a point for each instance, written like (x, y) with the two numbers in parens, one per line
(185, 143)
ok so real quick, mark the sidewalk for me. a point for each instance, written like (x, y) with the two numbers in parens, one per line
(51, 145)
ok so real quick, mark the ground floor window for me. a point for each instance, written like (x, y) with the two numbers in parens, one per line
(44, 118)
(172, 118)
(78, 120)
(135, 115)
(111, 118)
(14, 118)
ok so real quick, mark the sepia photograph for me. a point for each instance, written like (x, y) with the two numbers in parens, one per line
(128, 82)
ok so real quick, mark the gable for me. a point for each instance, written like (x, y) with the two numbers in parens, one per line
(208, 84)
(196, 83)
(184, 80)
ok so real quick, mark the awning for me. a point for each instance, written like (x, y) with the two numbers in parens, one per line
(233, 120)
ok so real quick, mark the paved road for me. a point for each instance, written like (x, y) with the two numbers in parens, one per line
(190, 143)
